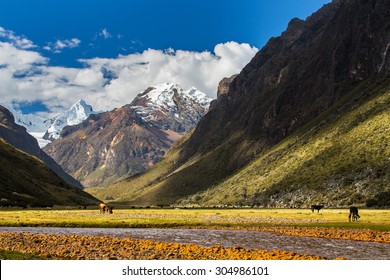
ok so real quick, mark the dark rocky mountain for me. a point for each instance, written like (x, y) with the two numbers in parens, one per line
(116, 144)
(299, 75)
(308, 81)
(18, 137)
(27, 182)
(223, 88)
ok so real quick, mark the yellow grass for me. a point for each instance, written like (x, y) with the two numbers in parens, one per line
(370, 219)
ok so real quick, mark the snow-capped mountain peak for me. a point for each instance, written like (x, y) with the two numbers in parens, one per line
(77, 113)
(162, 94)
(170, 96)
(47, 130)
(184, 107)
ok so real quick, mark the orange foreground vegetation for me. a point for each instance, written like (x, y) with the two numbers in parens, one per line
(93, 247)
(106, 248)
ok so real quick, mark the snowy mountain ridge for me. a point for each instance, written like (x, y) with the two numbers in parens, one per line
(47, 130)
(185, 107)
(162, 95)
(75, 115)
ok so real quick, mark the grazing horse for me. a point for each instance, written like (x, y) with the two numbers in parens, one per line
(316, 207)
(109, 209)
(102, 207)
(105, 208)
(353, 213)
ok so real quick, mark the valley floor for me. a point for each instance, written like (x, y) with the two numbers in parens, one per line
(374, 226)
(372, 219)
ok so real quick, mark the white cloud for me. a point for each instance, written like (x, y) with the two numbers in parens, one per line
(26, 77)
(18, 41)
(19, 59)
(135, 72)
(105, 34)
(104, 83)
(59, 45)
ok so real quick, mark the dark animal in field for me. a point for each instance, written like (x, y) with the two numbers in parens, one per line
(316, 207)
(109, 209)
(353, 214)
(105, 208)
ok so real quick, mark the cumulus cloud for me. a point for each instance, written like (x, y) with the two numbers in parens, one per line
(26, 75)
(18, 41)
(134, 72)
(59, 45)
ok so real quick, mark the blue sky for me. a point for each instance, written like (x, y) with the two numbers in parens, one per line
(95, 36)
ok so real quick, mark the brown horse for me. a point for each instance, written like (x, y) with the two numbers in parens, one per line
(353, 213)
(105, 208)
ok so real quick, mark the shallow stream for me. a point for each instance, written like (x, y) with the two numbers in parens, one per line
(329, 248)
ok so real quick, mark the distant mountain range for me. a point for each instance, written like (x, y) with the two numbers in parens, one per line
(47, 130)
(112, 145)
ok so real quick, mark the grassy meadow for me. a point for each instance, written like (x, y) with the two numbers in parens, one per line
(203, 218)
(373, 226)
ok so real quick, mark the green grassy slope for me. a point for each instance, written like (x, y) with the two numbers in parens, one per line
(26, 180)
(340, 158)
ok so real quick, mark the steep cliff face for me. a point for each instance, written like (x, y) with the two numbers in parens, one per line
(18, 137)
(331, 62)
(223, 88)
(113, 145)
(299, 75)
